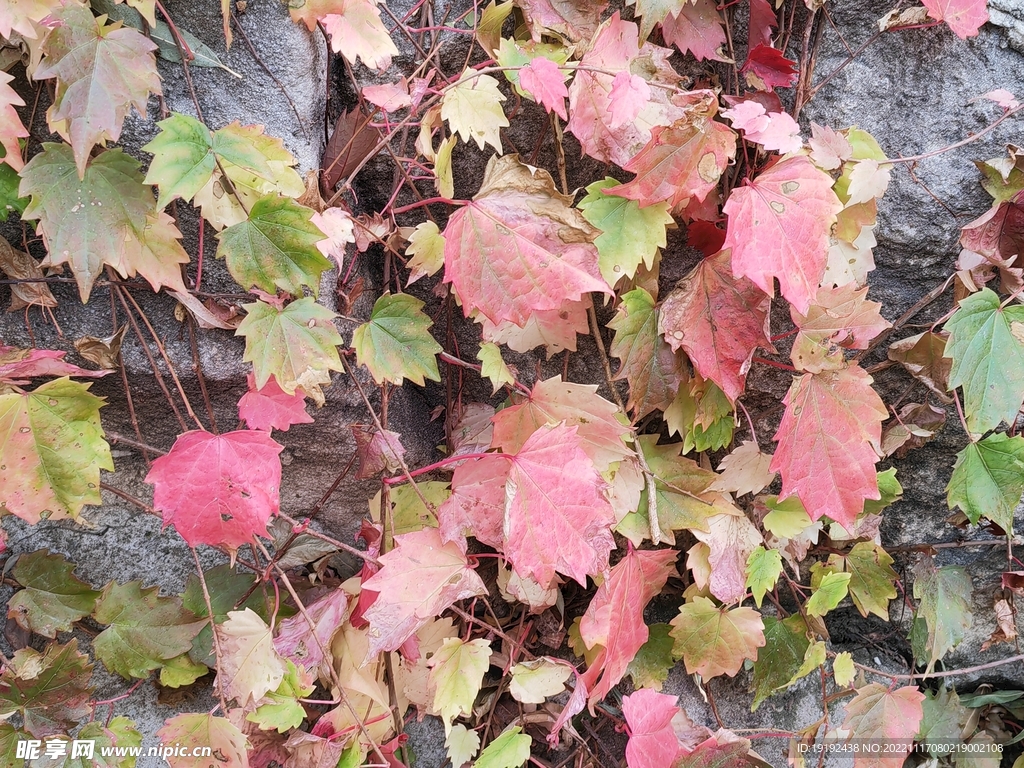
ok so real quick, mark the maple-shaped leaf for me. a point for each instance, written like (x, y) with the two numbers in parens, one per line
(102, 70)
(144, 629)
(697, 28)
(628, 95)
(882, 715)
(652, 739)
(53, 598)
(390, 97)
(395, 344)
(779, 226)
(614, 49)
(270, 407)
(11, 127)
(872, 579)
(473, 110)
(554, 329)
(715, 641)
(53, 450)
(457, 672)
(22, 17)
(19, 366)
(552, 401)
(509, 750)
(762, 22)
(829, 443)
(557, 517)
(772, 130)
(304, 645)
(745, 470)
(766, 69)
(276, 247)
(425, 251)
(964, 17)
(227, 589)
(219, 490)
(356, 29)
(50, 690)
(923, 357)
(477, 504)
(830, 591)
(731, 538)
(297, 345)
(534, 681)
(419, 579)
(829, 148)
(493, 367)
(998, 234)
(615, 617)
(988, 479)
(248, 666)
(519, 247)
(654, 371)
(280, 709)
(986, 344)
(630, 235)
(944, 615)
(204, 730)
(785, 646)
(682, 161)
(546, 83)
(839, 317)
(108, 216)
(109, 739)
(719, 321)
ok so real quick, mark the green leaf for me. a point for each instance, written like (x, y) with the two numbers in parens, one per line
(49, 690)
(53, 450)
(457, 672)
(408, 512)
(814, 657)
(275, 247)
(395, 344)
(493, 367)
(181, 670)
(889, 489)
(203, 55)
(53, 598)
(702, 415)
(280, 708)
(296, 345)
(144, 631)
(183, 158)
(227, 587)
(425, 251)
(631, 235)
(943, 720)
(986, 344)
(652, 663)
(786, 518)
(510, 750)
(9, 200)
(944, 615)
(764, 566)
(872, 579)
(9, 738)
(786, 645)
(120, 732)
(833, 588)
(988, 479)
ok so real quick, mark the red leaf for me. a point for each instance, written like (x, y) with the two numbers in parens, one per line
(829, 443)
(770, 68)
(271, 407)
(779, 226)
(997, 234)
(705, 236)
(552, 401)
(652, 740)
(697, 28)
(376, 451)
(762, 22)
(557, 517)
(683, 161)
(17, 366)
(546, 83)
(719, 321)
(218, 489)
(615, 617)
(519, 247)
(964, 17)
(418, 580)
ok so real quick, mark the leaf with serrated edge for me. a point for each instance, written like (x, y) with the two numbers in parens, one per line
(946, 598)
(456, 673)
(493, 367)
(270, 407)
(50, 690)
(732, 538)
(510, 750)
(290, 344)
(878, 714)
(53, 451)
(715, 641)
(785, 646)
(144, 629)
(764, 566)
(425, 251)
(534, 681)
(988, 479)
(832, 589)
(872, 579)
(248, 666)
(395, 344)
(745, 470)
(204, 730)
(473, 110)
(462, 744)
(53, 598)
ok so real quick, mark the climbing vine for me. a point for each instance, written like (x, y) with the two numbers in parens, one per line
(556, 503)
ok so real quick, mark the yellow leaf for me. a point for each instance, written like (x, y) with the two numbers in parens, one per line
(473, 110)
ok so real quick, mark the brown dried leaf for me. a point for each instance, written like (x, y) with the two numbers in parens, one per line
(1007, 626)
(352, 142)
(916, 424)
(922, 356)
(103, 352)
(18, 265)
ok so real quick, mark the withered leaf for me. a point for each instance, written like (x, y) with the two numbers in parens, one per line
(351, 143)
(18, 265)
(103, 352)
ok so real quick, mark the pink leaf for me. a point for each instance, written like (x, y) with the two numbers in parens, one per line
(697, 28)
(17, 366)
(11, 127)
(477, 504)
(546, 83)
(390, 97)
(419, 579)
(376, 451)
(615, 617)
(628, 95)
(652, 740)
(304, 645)
(829, 443)
(731, 539)
(218, 489)
(271, 407)
(964, 17)
(779, 226)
